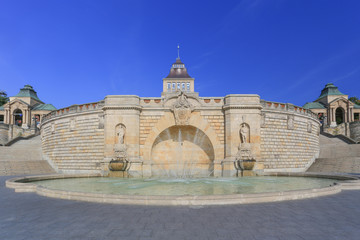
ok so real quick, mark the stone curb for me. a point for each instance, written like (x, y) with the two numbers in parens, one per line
(23, 184)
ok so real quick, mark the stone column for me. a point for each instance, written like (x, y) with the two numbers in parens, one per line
(238, 109)
(123, 110)
(333, 118)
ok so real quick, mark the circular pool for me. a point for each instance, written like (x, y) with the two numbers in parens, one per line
(187, 186)
(190, 191)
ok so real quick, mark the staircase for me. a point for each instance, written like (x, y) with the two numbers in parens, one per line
(23, 157)
(336, 155)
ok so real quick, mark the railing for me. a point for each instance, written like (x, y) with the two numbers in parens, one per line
(287, 107)
(74, 109)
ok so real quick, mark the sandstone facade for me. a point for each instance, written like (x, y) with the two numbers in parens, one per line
(81, 138)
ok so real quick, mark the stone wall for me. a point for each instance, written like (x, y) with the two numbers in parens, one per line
(73, 140)
(4, 133)
(9, 132)
(81, 138)
(289, 137)
(355, 131)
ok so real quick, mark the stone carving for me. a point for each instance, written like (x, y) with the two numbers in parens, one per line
(244, 159)
(309, 127)
(263, 120)
(101, 121)
(120, 160)
(72, 124)
(290, 122)
(182, 110)
(120, 134)
(52, 127)
(244, 133)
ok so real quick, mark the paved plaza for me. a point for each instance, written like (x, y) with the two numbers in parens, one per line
(29, 216)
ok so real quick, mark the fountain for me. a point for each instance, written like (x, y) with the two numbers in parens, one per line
(244, 161)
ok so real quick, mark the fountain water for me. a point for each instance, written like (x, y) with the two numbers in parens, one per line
(182, 152)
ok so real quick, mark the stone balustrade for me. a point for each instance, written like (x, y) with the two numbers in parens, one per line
(287, 107)
(77, 108)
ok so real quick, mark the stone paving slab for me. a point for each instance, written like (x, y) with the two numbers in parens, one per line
(30, 216)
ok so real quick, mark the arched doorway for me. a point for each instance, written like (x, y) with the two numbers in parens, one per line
(182, 151)
(18, 117)
(339, 115)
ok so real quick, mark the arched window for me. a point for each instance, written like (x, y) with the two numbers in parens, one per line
(339, 115)
(18, 117)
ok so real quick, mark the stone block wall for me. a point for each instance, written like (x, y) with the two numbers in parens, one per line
(4, 133)
(147, 122)
(217, 123)
(288, 146)
(74, 143)
(355, 131)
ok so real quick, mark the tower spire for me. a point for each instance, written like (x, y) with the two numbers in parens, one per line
(178, 47)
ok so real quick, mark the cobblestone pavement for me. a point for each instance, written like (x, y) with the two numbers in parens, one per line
(29, 216)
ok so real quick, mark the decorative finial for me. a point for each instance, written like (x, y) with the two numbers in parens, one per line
(178, 51)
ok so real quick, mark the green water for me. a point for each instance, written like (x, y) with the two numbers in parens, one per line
(191, 186)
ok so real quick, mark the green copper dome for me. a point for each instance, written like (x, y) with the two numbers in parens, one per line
(27, 91)
(313, 105)
(330, 89)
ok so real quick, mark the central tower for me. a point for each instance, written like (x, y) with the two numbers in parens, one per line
(178, 79)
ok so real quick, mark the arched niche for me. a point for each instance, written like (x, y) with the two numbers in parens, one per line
(18, 117)
(339, 115)
(182, 151)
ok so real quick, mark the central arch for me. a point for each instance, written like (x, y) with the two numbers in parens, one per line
(182, 151)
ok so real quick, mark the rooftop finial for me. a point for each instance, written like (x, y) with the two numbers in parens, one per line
(178, 51)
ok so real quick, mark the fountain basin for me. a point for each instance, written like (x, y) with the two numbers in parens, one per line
(33, 184)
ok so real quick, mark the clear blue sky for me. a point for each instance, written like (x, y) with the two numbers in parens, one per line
(78, 51)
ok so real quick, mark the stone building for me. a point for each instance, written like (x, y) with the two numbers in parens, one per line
(23, 108)
(334, 107)
(180, 133)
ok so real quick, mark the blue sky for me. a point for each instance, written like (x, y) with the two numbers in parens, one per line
(79, 51)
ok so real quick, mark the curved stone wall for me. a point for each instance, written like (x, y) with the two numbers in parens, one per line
(355, 131)
(289, 137)
(81, 138)
(73, 138)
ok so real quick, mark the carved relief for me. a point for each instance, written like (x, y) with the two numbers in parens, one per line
(182, 110)
(290, 122)
(244, 133)
(263, 121)
(52, 127)
(309, 127)
(72, 124)
(101, 121)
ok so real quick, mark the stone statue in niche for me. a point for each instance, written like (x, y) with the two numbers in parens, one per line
(290, 122)
(244, 159)
(182, 110)
(120, 147)
(120, 160)
(244, 133)
(121, 134)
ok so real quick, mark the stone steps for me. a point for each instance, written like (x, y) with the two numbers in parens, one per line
(23, 158)
(337, 156)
